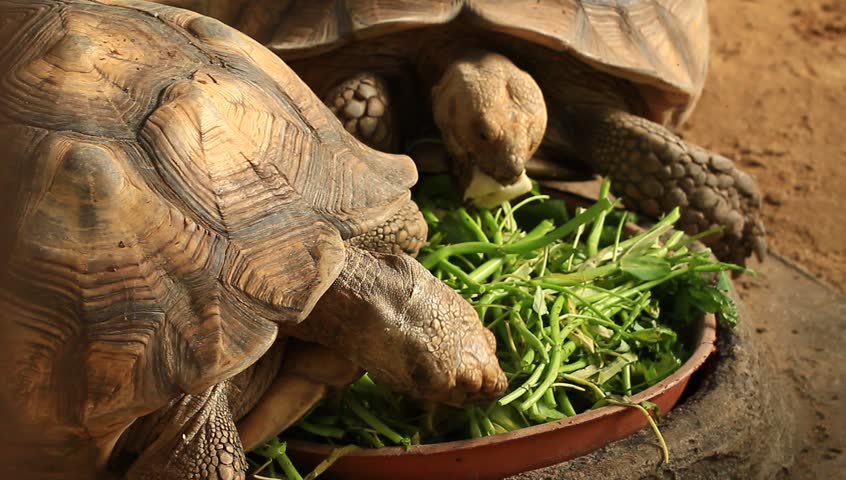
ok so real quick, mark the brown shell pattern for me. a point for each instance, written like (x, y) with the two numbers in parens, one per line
(659, 42)
(170, 192)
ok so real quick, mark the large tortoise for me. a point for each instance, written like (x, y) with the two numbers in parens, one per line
(175, 202)
(610, 76)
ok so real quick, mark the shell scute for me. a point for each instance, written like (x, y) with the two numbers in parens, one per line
(661, 45)
(88, 65)
(174, 195)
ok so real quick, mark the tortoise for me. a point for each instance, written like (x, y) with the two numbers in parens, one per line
(587, 83)
(176, 203)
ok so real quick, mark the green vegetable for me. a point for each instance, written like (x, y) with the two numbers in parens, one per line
(583, 316)
(276, 451)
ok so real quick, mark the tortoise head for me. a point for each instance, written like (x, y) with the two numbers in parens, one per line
(492, 116)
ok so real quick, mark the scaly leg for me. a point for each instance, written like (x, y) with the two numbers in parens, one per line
(194, 438)
(654, 170)
(405, 232)
(363, 105)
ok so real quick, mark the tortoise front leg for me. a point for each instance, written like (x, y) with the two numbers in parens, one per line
(654, 170)
(309, 372)
(194, 438)
(362, 104)
(405, 232)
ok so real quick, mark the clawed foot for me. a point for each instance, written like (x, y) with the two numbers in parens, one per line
(362, 104)
(710, 191)
(653, 170)
(716, 193)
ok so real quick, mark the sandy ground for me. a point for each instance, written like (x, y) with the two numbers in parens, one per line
(775, 101)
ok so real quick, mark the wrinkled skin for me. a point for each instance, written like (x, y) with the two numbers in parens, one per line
(386, 314)
(557, 119)
(168, 224)
(391, 317)
(410, 331)
(492, 117)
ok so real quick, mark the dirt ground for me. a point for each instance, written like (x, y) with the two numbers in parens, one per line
(775, 101)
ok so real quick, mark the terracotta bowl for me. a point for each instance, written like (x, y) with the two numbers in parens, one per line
(505, 454)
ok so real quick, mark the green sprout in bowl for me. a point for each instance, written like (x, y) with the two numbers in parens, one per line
(584, 315)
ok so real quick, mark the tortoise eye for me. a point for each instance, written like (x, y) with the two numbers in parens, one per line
(484, 136)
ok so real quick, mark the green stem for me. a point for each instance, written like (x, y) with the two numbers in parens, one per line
(580, 381)
(462, 276)
(627, 403)
(288, 467)
(539, 231)
(523, 246)
(617, 236)
(472, 225)
(572, 367)
(492, 225)
(277, 451)
(579, 276)
(485, 422)
(429, 261)
(375, 423)
(549, 378)
(564, 403)
(530, 338)
(592, 244)
(485, 270)
(333, 457)
(475, 429)
(321, 430)
(522, 389)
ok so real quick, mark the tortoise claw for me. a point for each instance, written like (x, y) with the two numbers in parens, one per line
(654, 171)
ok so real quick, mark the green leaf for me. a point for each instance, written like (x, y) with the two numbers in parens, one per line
(728, 314)
(454, 229)
(723, 282)
(615, 367)
(653, 335)
(707, 299)
(539, 302)
(651, 407)
(546, 414)
(645, 268)
(654, 372)
(586, 373)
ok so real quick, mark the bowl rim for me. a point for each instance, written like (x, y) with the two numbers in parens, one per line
(706, 333)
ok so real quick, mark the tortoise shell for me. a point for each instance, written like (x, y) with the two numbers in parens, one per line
(661, 46)
(171, 193)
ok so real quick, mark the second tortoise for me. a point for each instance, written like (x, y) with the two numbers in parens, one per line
(575, 82)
